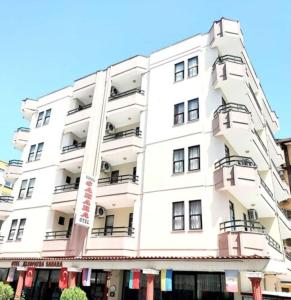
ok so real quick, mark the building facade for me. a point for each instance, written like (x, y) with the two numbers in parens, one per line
(177, 151)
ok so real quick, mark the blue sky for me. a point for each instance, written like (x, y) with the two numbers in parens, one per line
(45, 45)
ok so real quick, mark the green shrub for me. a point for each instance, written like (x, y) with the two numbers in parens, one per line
(73, 294)
(6, 291)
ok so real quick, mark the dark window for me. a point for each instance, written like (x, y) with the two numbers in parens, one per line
(39, 119)
(68, 180)
(194, 158)
(232, 215)
(31, 153)
(130, 222)
(77, 182)
(179, 113)
(195, 215)
(30, 187)
(178, 216)
(22, 189)
(114, 176)
(38, 151)
(179, 71)
(178, 161)
(193, 66)
(109, 220)
(61, 221)
(12, 230)
(47, 117)
(193, 109)
(20, 229)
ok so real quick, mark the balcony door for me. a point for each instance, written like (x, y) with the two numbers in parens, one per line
(109, 221)
(70, 227)
(232, 215)
(130, 222)
(114, 176)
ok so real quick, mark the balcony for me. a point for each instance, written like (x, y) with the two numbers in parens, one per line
(111, 241)
(246, 238)
(118, 191)
(6, 203)
(65, 197)
(56, 243)
(281, 188)
(276, 153)
(76, 115)
(13, 170)
(20, 137)
(226, 35)
(235, 175)
(28, 107)
(72, 157)
(284, 223)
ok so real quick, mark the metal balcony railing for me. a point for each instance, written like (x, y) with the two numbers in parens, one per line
(112, 231)
(59, 234)
(126, 93)
(264, 185)
(15, 163)
(23, 129)
(230, 58)
(73, 147)
(66, 188)
(81, 107)
(122, 134)
(260, 140)
(274, 244)
(118, 179)
(242, 225)
(242, 161)
(7, 199)
(224, 108)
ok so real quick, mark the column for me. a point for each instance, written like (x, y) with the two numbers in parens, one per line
(150, 287)
(256, 288)
(72, 279)
(19, 285)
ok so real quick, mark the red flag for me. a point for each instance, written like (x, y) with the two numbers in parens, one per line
(29, 277)
(63, 279)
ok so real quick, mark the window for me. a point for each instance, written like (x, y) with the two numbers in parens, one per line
(193, 66)
(179, 71)
(22, 189)
(38, 151)
(20, 229)
(31, 153)
(195, 215)
(61, 221)
(179, 113)
(178, 216)
(30, 188)
(47, 117)
(12, 230)
(178, 161)
(39, 119)
(194, 158)
(193, 109)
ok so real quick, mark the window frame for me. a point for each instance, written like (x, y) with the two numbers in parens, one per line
(20, 229)
(178, 72)
(178, 114)
(47, 117)
(191, 215)
(196, 66)
(194, 158)
(12, 230)
(178, 161)
(178, 216)
(30, 188)
(195, 109)
(22, 189)
(40, 119)
(31, 154)
(39, 151)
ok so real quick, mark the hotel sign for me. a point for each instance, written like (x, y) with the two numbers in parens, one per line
(85, 206)
(37, 263)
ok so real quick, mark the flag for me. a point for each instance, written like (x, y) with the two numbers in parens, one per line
(166, 280)
(10, 277)
(29, 277)
(134, 279)
(63, 279)
(86, 277)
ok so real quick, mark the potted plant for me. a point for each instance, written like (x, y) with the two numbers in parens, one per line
(73, 294)
(6, 291)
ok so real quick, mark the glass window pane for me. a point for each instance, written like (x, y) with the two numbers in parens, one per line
(179, 67)
(47, 117)
(193, 104)
(179, 108)
(178, 154)
(31, 152)
(194, 152)
(207, 283)
(39, 119)
(193, 62)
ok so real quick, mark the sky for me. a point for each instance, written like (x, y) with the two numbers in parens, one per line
(46, 45)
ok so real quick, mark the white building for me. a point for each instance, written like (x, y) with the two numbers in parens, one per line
(182, 146)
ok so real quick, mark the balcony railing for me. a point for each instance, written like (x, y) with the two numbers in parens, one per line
(73, 147)
(242, 225)
(241, 161)
(112, 231)
(260, 140)
(118, 179)
(287, 213)
(15, 163)
(81, 107)
(126, 93)
(122, 134)
(230, 58)
(264, 185)
(224, 108)
(271, 242)
(66, 188)
(23, 129)
(59, 234)
(7, 199)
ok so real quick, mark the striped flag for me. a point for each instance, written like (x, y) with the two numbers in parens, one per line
(86, 277)
(134, 279)
(166, 280)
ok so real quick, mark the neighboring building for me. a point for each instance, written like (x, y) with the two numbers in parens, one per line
(181, 146)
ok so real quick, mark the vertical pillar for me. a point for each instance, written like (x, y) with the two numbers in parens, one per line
(256, 288)
(150, 287)
(19, 285)
(72, 279)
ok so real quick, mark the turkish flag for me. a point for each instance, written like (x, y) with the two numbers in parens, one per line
(29, 277)
(63, 279)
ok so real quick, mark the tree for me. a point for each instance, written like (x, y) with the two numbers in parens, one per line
(73, 294)
(6, 291)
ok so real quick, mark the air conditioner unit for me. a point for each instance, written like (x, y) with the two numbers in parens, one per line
(100, 212)
(114, 91)
(253, 215)
(110, 129)
(105, 167)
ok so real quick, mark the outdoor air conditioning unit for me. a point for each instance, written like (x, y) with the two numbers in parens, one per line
(110, 129)
(105, 167)
(114, 91)
(100, 212)
(253, 215)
